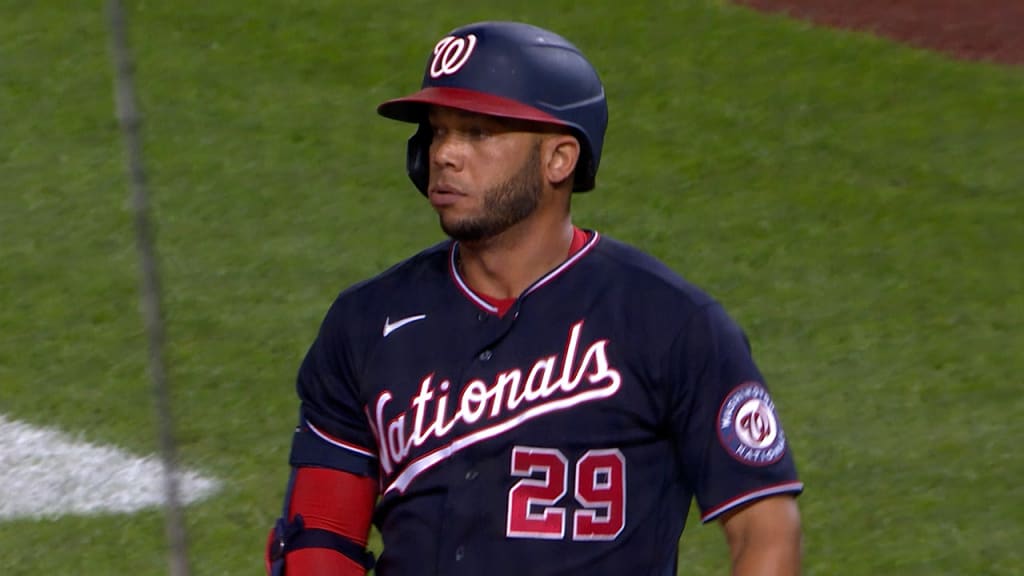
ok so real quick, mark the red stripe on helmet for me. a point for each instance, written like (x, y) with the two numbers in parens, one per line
(412, 108)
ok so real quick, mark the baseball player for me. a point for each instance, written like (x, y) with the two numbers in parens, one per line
(527, 397)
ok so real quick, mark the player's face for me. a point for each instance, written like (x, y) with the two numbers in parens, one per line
(484, 174)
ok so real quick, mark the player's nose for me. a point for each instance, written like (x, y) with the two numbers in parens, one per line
(445, 151)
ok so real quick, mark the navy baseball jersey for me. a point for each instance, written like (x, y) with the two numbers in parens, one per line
(567, 436)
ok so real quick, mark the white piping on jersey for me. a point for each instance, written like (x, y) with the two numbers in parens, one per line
(785, 488)
(454, 269)
(564, 265)
(340, 444)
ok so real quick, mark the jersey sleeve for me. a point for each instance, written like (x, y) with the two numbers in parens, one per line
(729, 436)
(333, 430)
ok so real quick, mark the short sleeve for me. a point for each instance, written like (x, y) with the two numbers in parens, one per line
(729, 436)
(333, 430)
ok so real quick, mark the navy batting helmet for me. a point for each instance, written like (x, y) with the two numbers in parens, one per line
(512, 70)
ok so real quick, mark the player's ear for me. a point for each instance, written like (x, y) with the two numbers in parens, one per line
(559, 152)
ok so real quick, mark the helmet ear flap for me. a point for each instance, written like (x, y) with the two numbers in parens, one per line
(417, 157)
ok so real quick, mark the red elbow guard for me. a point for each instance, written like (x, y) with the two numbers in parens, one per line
(329, 514)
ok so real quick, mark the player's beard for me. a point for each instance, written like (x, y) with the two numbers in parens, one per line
(504, 205)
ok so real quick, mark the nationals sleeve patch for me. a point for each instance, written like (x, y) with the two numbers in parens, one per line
(748, 427)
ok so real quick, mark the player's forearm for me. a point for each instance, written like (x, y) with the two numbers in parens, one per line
(773, 558)
(765, 538)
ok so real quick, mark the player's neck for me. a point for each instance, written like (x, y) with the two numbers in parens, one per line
(505, 266)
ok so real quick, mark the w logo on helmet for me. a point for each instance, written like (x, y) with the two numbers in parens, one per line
(451, 54)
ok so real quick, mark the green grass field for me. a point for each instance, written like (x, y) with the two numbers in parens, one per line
(855, 204)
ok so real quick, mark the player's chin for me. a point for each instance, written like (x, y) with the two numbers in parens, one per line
(456, 214)
(450, 224)
(464, 229)
(450, 216)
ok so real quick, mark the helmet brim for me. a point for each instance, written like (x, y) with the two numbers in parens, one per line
(414, 107)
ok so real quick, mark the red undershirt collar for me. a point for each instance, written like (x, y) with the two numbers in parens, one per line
(579, 239)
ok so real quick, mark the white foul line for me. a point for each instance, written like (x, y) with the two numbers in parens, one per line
(45, 473)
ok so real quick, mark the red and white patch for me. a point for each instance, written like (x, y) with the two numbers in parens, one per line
(748, 427)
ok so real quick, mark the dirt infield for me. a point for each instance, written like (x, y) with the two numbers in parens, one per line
(990, 30)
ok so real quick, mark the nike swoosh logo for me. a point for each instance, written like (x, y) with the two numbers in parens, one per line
(390, 326)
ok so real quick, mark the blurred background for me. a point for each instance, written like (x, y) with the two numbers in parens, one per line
(854, 202)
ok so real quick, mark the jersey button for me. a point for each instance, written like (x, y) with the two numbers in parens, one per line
(485, 355)
(460, 553)
(471, 475)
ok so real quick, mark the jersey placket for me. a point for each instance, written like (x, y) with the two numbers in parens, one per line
(464, 528)
(461, 526)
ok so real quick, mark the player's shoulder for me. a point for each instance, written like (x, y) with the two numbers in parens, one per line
(406, 289)
(646, 274)
(359, 309)
(661, 297)
(417, 273)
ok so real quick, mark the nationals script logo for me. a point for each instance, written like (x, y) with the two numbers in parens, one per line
(513, 397)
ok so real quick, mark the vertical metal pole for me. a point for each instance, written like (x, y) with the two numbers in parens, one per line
(131, 123)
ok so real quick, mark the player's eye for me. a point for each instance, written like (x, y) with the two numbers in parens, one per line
(477, 132)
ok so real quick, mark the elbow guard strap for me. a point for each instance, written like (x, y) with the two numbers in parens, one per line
(290, 536)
